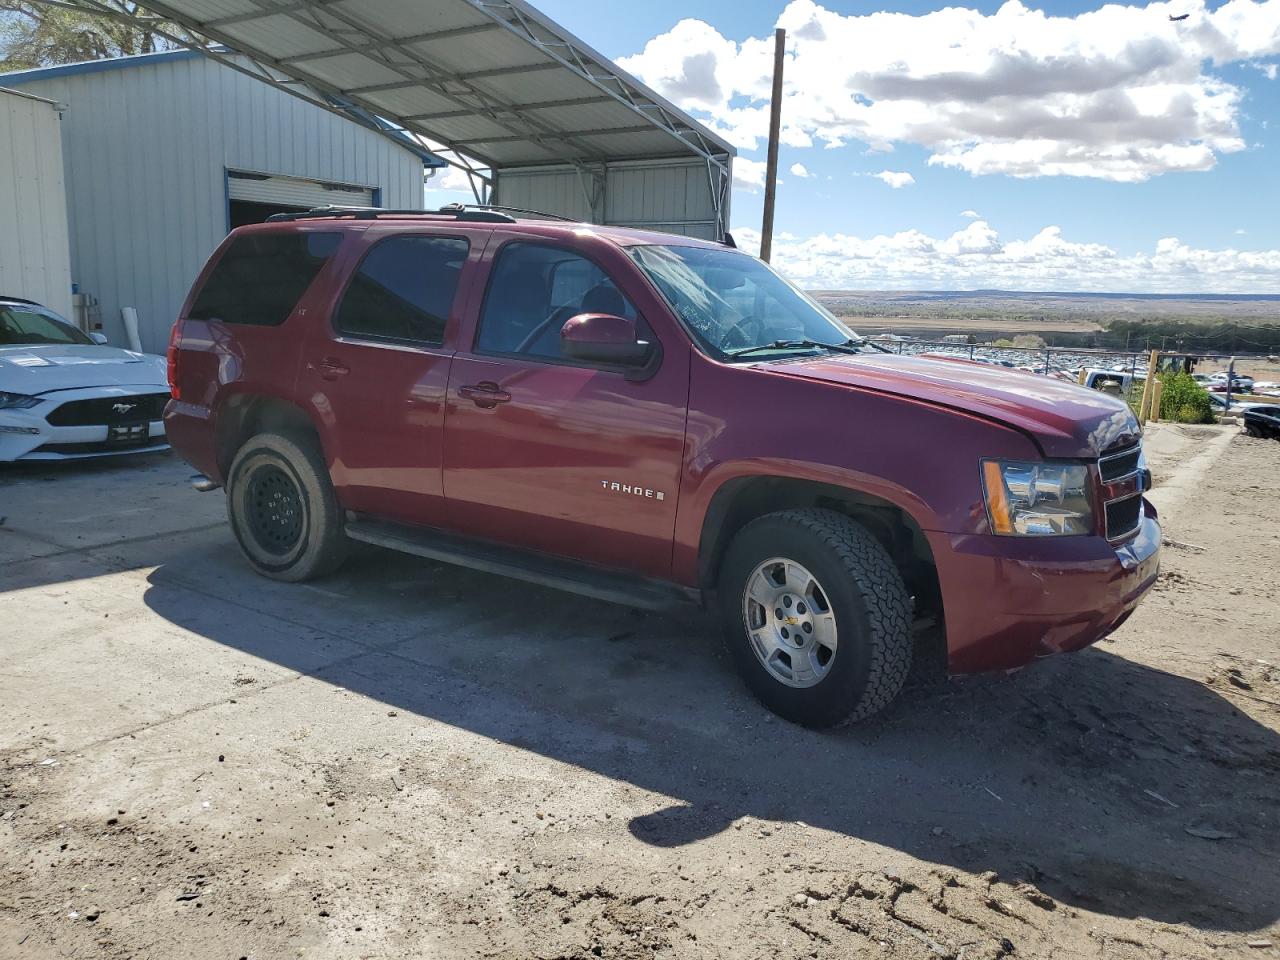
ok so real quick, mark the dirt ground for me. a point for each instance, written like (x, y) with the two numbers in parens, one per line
(409, 760)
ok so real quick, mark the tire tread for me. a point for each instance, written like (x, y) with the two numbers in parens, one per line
(888, 605)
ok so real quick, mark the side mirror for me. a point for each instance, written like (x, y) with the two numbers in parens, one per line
(98, 338)
(603, 338)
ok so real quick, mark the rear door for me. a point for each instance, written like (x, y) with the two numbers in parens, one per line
(557, 455)
(375, 371)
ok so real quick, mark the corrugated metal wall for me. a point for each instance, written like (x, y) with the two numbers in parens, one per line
(146, 148)
(673, 196)
(35, 259)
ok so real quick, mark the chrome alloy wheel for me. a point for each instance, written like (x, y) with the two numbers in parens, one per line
(789, 622)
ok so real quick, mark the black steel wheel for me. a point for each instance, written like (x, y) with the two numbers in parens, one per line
(283, 508)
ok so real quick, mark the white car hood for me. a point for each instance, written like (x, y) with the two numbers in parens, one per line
(37, 368)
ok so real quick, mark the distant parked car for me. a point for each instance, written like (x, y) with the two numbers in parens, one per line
(66, 394)
(1240, 383)
(1263, 421)
(1238, 406)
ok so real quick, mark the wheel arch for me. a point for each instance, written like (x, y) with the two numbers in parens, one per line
(740, 500)
(243, 415)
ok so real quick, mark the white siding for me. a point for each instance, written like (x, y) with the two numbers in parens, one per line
(35, 259)
(673, 196)
(146, 151)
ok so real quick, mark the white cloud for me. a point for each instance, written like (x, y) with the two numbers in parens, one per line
(895, 178)
(450, 179)
(976, 257)
(1240, 233)
(799, 170)
(1272, 70)
(749, 174)
(1119, 93)
(971, 214)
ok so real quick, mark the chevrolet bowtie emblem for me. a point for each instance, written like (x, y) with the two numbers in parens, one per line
(791, 621)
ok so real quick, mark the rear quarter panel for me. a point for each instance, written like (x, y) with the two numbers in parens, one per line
(219, 361)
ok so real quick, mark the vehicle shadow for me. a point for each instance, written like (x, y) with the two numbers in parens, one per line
(1082, 775)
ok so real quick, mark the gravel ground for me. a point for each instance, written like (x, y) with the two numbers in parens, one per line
(411, 760)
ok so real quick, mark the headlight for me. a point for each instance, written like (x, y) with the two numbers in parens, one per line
(1037, 499)
(17, 401)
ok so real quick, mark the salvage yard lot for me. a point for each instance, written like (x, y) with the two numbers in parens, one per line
(413, 760)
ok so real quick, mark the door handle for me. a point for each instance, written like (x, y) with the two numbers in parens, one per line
(486, 394)
(329, 368)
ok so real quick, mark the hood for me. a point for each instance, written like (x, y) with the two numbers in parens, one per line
(1064, 419)
(40, 368)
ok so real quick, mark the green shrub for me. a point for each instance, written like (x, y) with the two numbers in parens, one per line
(1184, 400)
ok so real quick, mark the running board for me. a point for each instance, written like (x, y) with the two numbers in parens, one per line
(625, 588)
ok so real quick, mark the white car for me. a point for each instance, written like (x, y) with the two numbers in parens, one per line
(65, 394)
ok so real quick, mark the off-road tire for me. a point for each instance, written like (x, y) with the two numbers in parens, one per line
(864, 590)
(293, 461)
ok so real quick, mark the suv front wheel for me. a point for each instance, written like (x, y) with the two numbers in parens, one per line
(283, 509)
(816, 616)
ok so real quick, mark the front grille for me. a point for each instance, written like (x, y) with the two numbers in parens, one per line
(1116, 465)
(100, 411)
(1123, 516)
(1123, 469)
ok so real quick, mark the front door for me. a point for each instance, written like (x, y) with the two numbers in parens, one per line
(552, 454)
(376, 376)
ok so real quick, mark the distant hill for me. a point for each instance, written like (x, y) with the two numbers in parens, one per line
(1220, 321)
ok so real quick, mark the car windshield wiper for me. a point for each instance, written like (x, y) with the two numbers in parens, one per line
(848, 346)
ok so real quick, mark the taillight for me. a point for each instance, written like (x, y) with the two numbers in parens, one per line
(171, 360)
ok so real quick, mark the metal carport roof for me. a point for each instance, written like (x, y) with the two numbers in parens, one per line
(492, 81)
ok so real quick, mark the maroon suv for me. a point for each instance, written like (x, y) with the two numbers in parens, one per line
(653, 419)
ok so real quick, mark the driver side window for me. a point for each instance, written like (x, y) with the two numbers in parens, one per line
(533, 290)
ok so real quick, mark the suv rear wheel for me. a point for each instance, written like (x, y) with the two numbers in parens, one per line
(816, 616)
(283, 509)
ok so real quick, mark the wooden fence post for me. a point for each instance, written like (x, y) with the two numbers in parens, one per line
(1144, 405)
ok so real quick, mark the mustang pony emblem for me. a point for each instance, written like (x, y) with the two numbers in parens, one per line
(123, 407)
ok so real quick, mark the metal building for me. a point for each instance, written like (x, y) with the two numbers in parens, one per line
(164, 153)
(534, 115)
(34, 253)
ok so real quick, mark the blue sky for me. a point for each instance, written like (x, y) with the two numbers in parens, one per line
(1147, 149)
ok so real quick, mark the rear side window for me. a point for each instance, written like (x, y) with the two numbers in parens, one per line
(403, 290)
(262, 276)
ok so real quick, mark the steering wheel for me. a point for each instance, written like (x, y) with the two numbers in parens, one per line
(737, 331)
(560, 314)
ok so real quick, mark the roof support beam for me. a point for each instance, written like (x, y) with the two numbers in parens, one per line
(540, 105)
(508, 71)
(449, 85)
(418, 38)
(523, 21)
(603, 132)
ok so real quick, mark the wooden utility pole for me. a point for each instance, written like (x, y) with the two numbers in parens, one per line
(771, 166)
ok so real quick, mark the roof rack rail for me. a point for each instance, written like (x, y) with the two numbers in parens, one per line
(507, 209)
(454, 211)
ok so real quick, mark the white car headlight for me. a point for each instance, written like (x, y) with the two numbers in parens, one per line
(17, 401)
(1037, 499)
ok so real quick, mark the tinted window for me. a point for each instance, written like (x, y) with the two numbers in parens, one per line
(32, 324)
(404, 290)
(262, 276)
(534, 290)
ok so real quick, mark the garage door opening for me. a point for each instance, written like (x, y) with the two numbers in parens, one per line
(253, 197)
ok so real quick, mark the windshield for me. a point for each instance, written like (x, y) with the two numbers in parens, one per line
(734, 303)
(28, 323)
